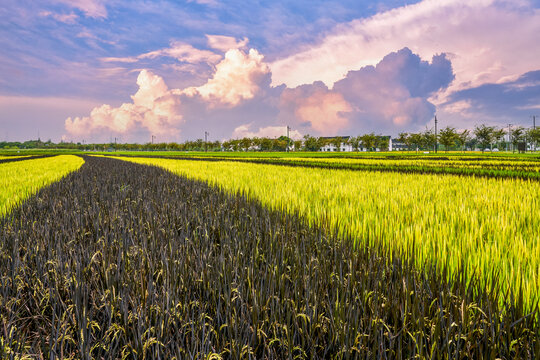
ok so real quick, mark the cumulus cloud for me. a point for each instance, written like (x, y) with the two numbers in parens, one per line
(154, 109)
(238, 77)
(391, 96)
(225, 43)
(315, 107)
(394, 94)
(245, 130)
(487, 40)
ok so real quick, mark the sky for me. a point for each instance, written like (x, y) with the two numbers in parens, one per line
(96, 70)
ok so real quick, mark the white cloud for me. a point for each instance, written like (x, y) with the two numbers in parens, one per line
(178, 50)
(238, 77)
(184, 53)
(225, 43)
(154, 109)
(158, 110)
(486, 40)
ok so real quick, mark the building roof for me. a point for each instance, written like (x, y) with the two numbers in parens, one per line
(333, 137)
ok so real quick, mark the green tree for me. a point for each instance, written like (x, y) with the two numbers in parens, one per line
(484, 135)
(265, 144)
(280, 144)
(245, 143)
(355, 142)
(534, 137)
(337, 141)
(311, 143)
(403, 138)
(429, 139)
(462, 138)
(368, 141)
(448, 137)
(382, 143)
(517, 136)
(415, 140)
(498, 136)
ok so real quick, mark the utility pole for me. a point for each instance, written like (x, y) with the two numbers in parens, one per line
(115, 144)
(288, 139)
(533, 145)
(153, 137)
(510, 136)
(206, 133)
(436, 138)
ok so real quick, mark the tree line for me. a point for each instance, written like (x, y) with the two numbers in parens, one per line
(482, 137)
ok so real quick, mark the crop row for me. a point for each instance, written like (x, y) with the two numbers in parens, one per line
(485, 228)
(11, 158)
(491, 169)
(20, 179)
(119, 260)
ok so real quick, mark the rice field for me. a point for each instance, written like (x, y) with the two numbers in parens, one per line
(508, 168)
(21, 179)
(133, 257)
(458, 222)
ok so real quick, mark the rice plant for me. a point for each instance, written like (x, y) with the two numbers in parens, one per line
(119, 260)
(20, 179)
(528, 169)
(486, 228)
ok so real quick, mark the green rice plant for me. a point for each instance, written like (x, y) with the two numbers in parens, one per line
(120, 260)
(8, 157)
(489, 228)
(465, 166)
(20, 179)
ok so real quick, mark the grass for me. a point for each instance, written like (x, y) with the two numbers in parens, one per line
(21, 179)
(484, 228)
(119, 260)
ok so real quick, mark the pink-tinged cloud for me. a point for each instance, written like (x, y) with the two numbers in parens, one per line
(182, 52)
(91, 8)
(154, 109)
(315, 107)
(238, 101)
(238, 77)
(225, 43)
(487, 41)
(394, 94)
(272, 132)
(158, 110)
(70, 18)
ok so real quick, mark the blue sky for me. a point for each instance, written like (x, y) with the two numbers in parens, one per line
(95, 69)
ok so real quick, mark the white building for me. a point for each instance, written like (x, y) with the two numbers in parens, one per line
(346, 147)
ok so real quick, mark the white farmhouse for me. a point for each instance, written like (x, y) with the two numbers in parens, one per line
(346, 147)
